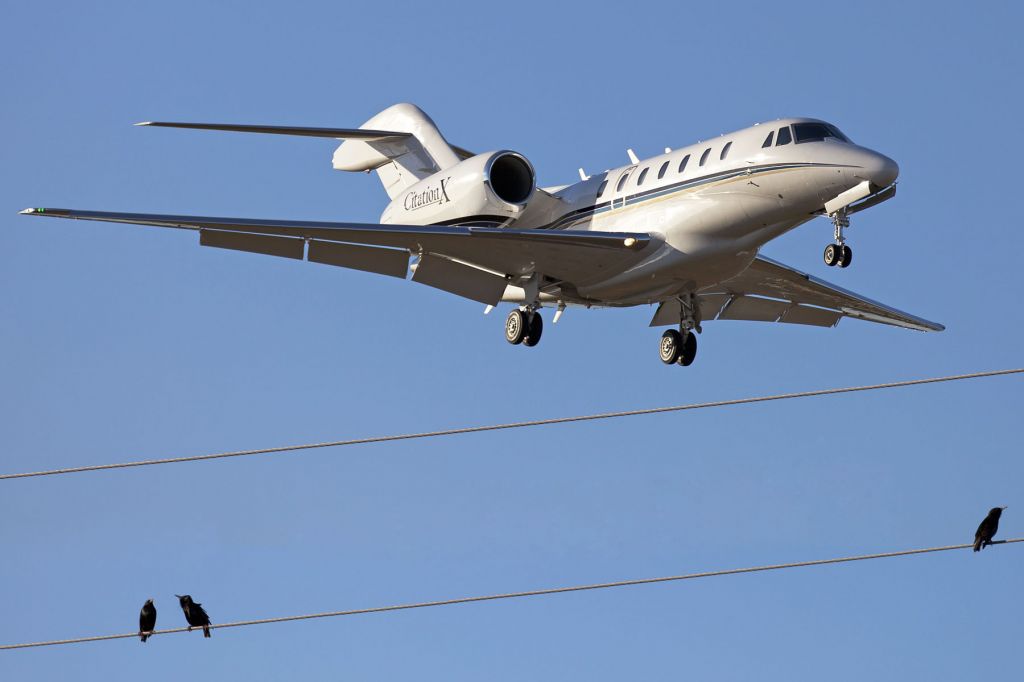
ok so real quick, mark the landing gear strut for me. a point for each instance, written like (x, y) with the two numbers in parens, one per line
(839, 253)
(524, 326)
(680, 347)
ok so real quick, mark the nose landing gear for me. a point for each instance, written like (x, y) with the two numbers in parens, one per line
(839, 253)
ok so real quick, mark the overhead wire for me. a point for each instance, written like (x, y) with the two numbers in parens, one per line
(514, 595)
(512, 425)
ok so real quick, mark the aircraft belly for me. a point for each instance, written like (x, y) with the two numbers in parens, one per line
(669, 272)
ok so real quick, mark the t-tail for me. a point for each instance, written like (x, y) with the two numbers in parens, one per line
(402, 144)
(403, 161)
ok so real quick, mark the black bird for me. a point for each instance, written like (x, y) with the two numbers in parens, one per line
(988, 528)
(194, 614)
(147, 620)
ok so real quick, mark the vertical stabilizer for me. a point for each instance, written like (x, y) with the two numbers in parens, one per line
(399, 163)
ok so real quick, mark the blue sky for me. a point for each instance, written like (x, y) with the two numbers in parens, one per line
(121, 342)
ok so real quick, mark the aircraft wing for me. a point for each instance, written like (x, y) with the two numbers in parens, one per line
(768, 291)
(474, 262)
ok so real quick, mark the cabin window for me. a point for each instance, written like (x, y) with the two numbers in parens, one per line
(643, 176)
(661, 171)
(768, 140)
(602, 186)
(622, 182)
(784, 137)
(704, 156)
(682, 164)
(725, 151)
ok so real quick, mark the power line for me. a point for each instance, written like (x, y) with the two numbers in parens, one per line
(513, 425)
(517, 595)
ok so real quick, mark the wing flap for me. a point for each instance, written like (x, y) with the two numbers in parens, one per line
(391, 262)
(815, 317)
(459, 279)
(285, 247)
(754, 309)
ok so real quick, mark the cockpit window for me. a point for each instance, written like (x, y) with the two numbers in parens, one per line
(725, 151)
(838, 133)
(815, 132)
(661, 171)
(643, 175)
(785, 137)
(682, 164)
(768, 140)
(704, 156)
(622, 182)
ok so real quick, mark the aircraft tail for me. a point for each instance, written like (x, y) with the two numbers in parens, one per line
(401, 143)
(400, 162)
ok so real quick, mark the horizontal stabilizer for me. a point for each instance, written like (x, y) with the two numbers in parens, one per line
(335, 133)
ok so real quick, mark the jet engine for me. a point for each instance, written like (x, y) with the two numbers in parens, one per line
(488, 189)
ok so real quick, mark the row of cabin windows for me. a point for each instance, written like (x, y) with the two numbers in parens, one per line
(664, 168)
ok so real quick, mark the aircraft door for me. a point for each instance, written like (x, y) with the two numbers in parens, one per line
(621, 188)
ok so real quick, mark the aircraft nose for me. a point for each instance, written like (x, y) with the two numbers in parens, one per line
(882, 170)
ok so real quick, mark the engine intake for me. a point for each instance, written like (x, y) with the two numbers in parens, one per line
(511, 177)
(489, 189)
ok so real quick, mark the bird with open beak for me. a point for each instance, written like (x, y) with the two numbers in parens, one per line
(194, 613)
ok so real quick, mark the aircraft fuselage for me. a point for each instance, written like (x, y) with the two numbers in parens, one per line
(712, 205)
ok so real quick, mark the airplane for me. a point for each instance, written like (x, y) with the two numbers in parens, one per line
(681, 230)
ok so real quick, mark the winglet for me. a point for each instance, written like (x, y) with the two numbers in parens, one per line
(144, 123)
(31, 211)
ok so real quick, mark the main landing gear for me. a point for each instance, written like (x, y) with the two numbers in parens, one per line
(839, 253)
(680, 347)
(524, 326)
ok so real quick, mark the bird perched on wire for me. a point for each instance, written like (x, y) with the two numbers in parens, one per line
(988, 528)
(147, 620)
(194, 614)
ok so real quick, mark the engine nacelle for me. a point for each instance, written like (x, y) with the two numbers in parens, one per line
(491, 188)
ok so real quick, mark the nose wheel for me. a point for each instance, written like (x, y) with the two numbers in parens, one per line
(839, 253)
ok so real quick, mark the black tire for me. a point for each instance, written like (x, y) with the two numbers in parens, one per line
(670, 347)
(833, 254)
(535, 329)
(515, 327)
(688, 352)
(846, 257)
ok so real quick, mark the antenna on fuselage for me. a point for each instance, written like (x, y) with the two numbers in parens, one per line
(632, 156)
(583, 176)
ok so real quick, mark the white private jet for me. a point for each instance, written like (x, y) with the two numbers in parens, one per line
(681, 229)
